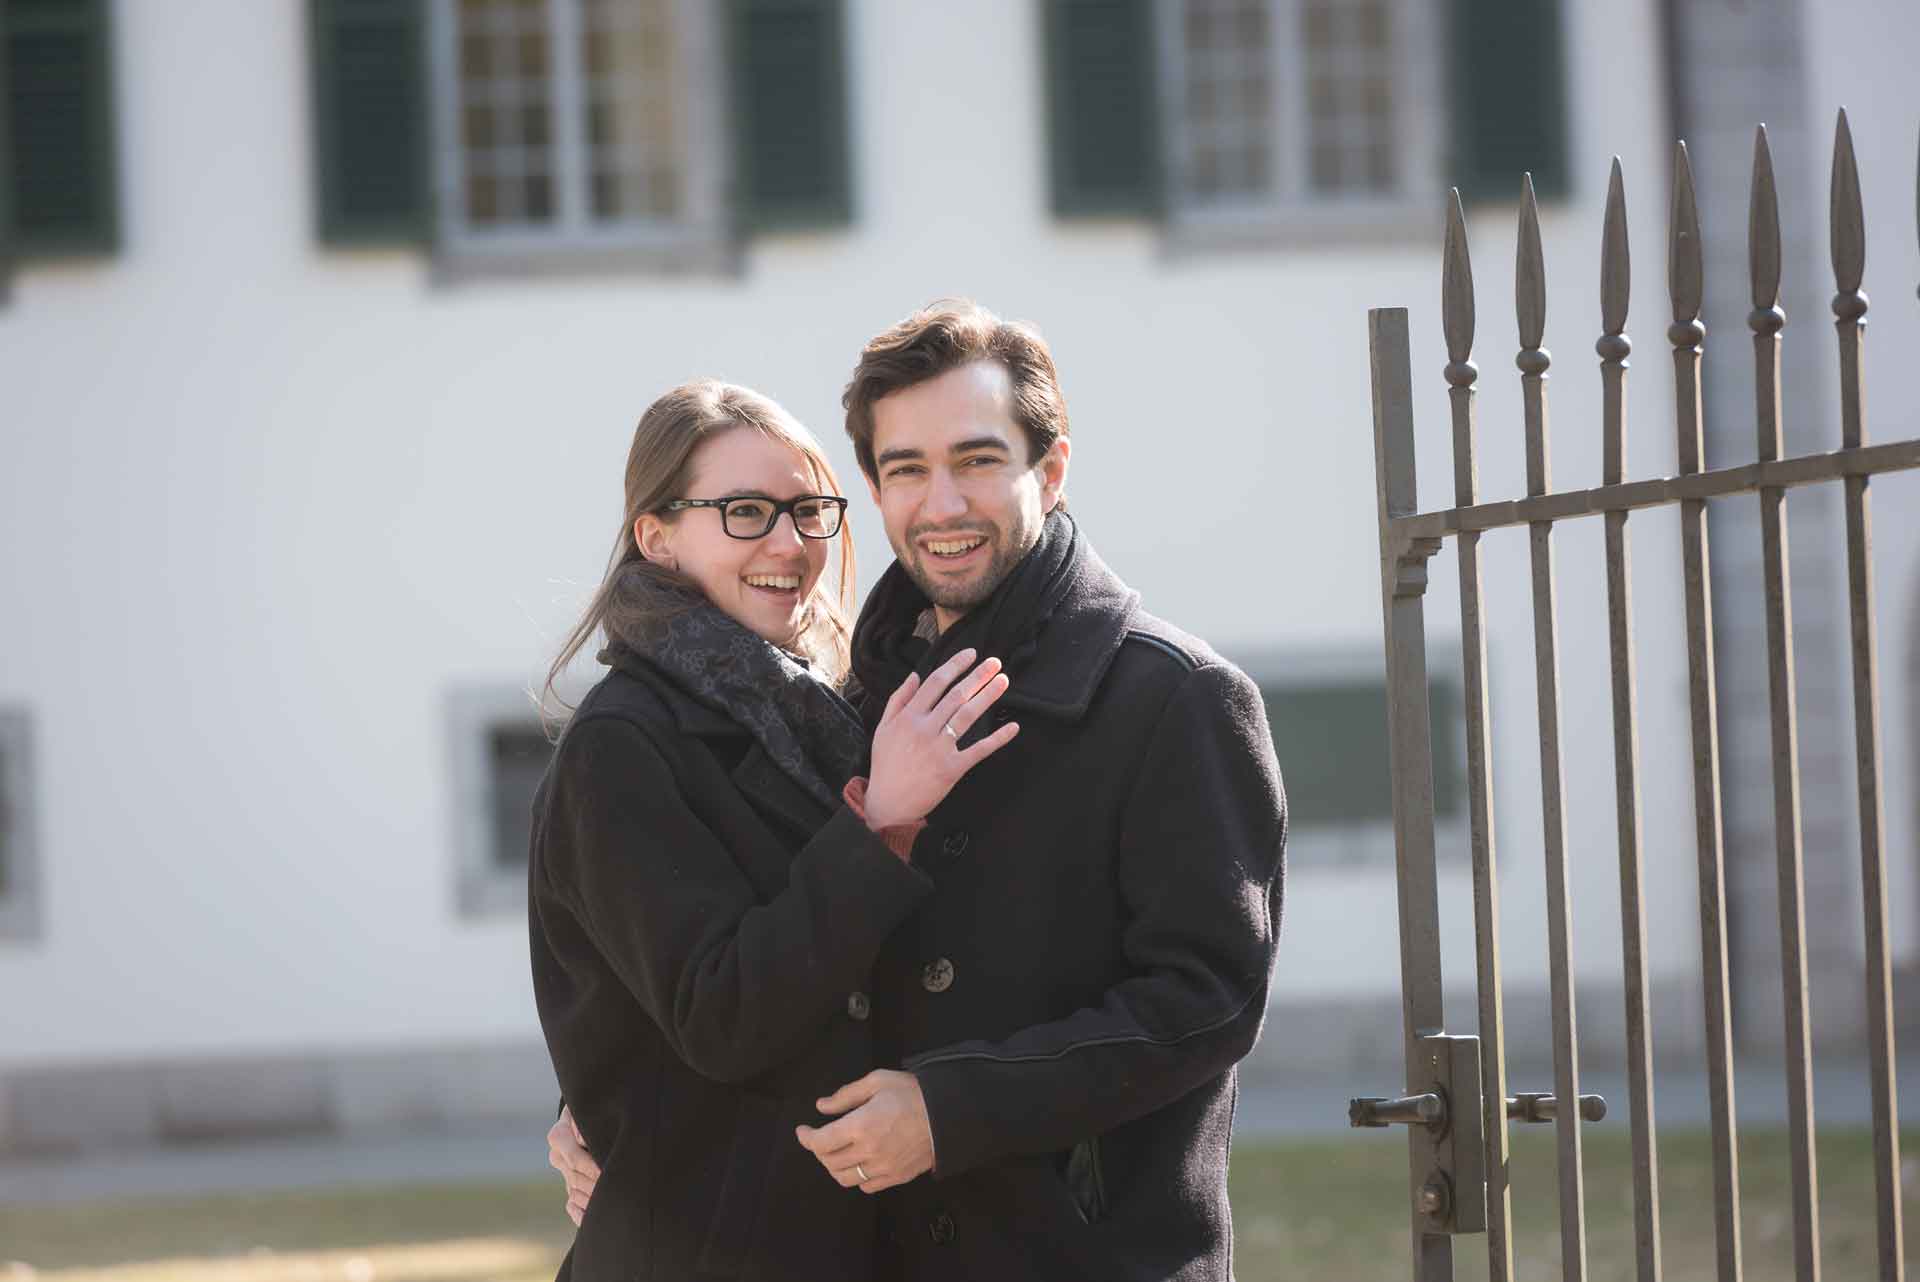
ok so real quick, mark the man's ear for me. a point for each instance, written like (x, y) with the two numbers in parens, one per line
(873, 486)
(654, 538)
(1053, 473)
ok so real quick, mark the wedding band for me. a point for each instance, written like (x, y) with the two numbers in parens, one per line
(862, 1172)
(950, 730)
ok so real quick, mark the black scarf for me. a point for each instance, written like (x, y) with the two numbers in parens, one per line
(809, 731)
(1007, 625)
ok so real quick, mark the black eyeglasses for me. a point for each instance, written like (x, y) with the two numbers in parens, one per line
(749, 516)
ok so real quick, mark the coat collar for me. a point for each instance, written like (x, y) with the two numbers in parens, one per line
(1057, 622)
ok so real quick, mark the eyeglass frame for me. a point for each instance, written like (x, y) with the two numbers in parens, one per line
(780, 507)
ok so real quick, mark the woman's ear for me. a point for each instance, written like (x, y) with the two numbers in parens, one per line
(654, 538)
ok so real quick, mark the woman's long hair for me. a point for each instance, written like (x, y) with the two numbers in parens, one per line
(658, 464)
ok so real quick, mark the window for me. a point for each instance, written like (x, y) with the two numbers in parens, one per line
(500, 754)
(57, 173)
(19, 864)
(514, 134)
(1243, 119)
(1329, 721)
(1303, 111)
(578, 124)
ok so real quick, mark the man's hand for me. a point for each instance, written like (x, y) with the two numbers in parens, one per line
(884, 1137)
(567, 1154)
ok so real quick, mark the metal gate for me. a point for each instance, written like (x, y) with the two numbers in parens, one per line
(1456, 1106)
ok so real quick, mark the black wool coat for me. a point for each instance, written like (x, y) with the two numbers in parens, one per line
(1095, 957)
(703, 932)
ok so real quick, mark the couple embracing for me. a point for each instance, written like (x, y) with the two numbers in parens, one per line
(921, 946)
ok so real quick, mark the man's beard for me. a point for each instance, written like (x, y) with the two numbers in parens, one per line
(1007, 551)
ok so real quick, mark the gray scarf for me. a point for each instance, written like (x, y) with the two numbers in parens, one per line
(810, 732)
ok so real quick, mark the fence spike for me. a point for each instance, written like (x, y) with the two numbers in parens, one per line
(1763, 227)
(1685, 275)
(1849, 226)
(1616, 269)
(1456, 285)
(1530, 271)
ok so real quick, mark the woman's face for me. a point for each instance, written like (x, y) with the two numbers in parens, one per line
(764, 583)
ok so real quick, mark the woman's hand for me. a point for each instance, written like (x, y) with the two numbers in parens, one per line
(567, 1154)
(917, 757)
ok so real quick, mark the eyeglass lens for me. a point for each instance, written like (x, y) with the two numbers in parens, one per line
(752, 518)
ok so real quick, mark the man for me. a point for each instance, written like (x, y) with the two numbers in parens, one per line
(1068, 1007)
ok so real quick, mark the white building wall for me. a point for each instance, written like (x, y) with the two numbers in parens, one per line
(267, 506)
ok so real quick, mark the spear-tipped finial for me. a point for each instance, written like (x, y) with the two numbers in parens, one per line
(1763, 228)
(1847, 221)
(1456, 292)
(1685, 273)
(1616, 267)
(1530, 271)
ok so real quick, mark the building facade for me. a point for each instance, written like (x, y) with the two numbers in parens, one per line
(327, 323)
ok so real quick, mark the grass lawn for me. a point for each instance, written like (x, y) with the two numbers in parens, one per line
(1328, 1209)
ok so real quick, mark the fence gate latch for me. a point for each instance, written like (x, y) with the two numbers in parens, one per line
(1447, 1130)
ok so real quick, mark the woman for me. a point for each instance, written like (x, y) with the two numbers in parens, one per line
(711, 879)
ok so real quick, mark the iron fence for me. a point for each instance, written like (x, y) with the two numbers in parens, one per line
(1457, 1107)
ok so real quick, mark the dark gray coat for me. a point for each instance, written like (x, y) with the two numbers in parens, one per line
(1095, 957)
(702, 934)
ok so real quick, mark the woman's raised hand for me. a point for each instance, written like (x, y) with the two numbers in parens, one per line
(917, 757)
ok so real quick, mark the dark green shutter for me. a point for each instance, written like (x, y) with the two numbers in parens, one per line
(61, 196)
(790, 113)
(1509, 98)
(1102, 105)
(370, 121)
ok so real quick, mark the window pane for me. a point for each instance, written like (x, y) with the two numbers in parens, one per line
(1348, 55)
(1227, 108)
(632, 124)
(517, 758)
(1332, 744)
(506, 91)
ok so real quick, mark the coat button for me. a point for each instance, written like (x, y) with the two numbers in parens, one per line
(956, 844)
(858, 1007)
(937, 975)
(940, 1228)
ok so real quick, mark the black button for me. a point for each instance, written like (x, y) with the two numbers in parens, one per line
(937, 975)
(858, 1007)
(956, 844)
(940, 1228)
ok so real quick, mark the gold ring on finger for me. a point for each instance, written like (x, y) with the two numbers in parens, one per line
(862, 1172)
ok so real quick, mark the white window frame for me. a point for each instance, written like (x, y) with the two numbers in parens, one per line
(482, 888)
(1368, 843)
(20, 901)
(1292, 214)
(701, 239)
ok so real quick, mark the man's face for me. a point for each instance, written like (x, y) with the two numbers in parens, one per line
(961, 500)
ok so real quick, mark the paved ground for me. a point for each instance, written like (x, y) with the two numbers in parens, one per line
(516, 1149)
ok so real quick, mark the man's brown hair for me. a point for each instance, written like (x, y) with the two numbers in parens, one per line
(944, 336)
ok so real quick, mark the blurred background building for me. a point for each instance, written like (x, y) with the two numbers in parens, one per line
(326, 324)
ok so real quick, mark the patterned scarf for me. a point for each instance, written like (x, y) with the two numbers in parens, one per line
(809, 731)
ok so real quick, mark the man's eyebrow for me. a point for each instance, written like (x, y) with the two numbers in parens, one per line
(980, 443)
(895, 455)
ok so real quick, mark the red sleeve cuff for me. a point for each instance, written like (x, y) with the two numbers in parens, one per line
(900, 837)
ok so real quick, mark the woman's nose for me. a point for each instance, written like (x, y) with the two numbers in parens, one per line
(785, 534)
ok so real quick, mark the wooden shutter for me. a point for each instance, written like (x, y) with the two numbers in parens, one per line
(790, 113)
(61, 186)
(1103, 107)
(370, 121)
(1508, 76)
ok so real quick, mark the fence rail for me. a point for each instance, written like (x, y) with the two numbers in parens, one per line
(1409, 537)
